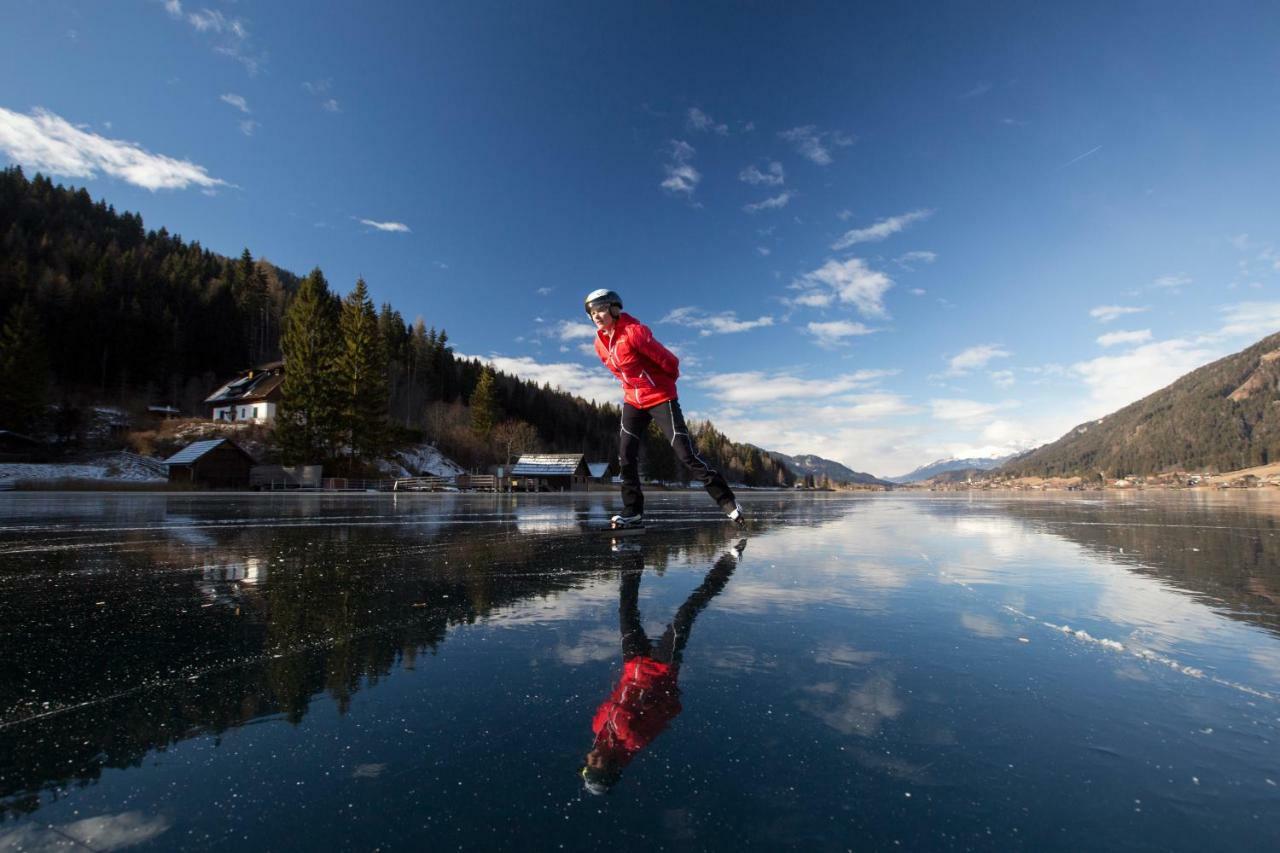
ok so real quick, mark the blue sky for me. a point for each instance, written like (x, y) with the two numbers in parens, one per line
(881, 233)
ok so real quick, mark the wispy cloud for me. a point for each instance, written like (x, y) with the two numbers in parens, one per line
(545, 291)
(905, 261)
(836, 332)
(230, 34)
(880, 230)
(567, 330)
(1171, 282)
(1107, 313)
(1003, 378)
(778, 201)
(721, 323)
(850, 281)
(966, 411)
(320, 89)
(248, 126)
(976, 92)
(758, 387)
(773, 175)
(1250, 319)
(763, 251)
(815, 144)
(975, 357)
(1111, 339)
(682, 178)
(236, 101)
(700, 121)
(1077, 159)
(49, 143)
(394, 227)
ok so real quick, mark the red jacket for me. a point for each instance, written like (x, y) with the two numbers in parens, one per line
(641, 706)
(647, 369)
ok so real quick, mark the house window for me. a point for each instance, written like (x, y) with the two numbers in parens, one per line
(255, 411)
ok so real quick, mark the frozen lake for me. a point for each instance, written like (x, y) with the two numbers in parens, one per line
(435, 672)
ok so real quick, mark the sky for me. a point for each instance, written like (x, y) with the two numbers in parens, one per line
(881, 233)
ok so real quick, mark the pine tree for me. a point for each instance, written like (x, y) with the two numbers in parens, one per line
(362, 376)
(484, 404)
(308, 424)
(24, 369)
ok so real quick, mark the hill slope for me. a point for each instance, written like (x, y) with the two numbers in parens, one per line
(1222, 416)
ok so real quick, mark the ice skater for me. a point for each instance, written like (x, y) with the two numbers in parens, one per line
(648, 372)
(647, 697)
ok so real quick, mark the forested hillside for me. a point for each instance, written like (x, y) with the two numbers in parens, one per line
(97, 310)
(1221, 417)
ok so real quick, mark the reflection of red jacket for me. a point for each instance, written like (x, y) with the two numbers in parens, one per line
(644, 702)
(647, 369)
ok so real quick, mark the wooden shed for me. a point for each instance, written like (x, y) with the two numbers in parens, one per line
(218, 463)
(550, 472)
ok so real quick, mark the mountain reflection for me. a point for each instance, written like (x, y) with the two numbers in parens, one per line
(140, 633)
(647, 697)
(1227, 554)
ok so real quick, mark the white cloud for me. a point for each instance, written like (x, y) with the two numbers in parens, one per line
(813, 143)
(49, 143)
(320, 89)
(722, 323)
(880, 230)
(101, 832)
(545, 291)
(395, 227)
(917, 291)
(1116, 381)
(682, 178)
(1250, 319)
(835, 332)
(921, 257)
(236, 101)
(248, 126)
(757, 387)
(1002, 378)
(850, 281)
(700, 121)
(1171, 282)
(975, 357)
(764, 251)
(966, 411)
(774, 176)
(1140, 336)
(773, 203)
(231, 35)
(1107, 313)
(567, 330)
(977, 91)
(589, 383)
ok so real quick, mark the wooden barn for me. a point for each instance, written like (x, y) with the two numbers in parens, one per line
(218, 463)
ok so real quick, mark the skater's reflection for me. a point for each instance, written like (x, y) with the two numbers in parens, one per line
(647, 697)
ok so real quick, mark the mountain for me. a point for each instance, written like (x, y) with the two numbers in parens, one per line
(819, 468)
(940, 466)
(1223, 416)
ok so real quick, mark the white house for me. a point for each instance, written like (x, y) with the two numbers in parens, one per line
(252, 396)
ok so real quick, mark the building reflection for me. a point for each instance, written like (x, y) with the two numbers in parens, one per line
(647, 696)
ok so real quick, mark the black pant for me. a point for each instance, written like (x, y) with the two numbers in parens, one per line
(670, 648)
(671, 421)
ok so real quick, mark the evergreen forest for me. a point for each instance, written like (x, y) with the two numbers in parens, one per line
(96, 310)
